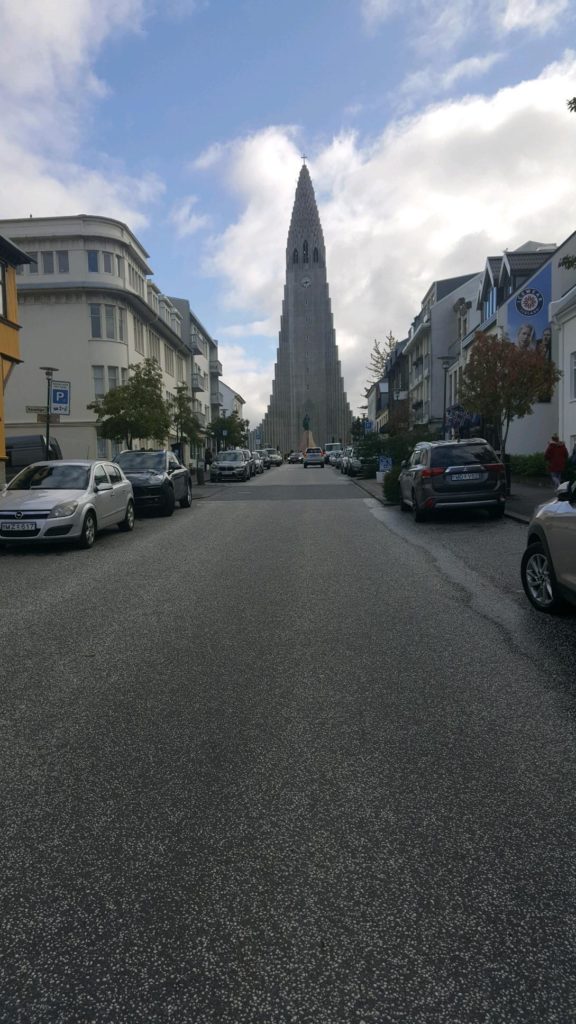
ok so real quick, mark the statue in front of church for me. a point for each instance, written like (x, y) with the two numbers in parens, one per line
(306, 422)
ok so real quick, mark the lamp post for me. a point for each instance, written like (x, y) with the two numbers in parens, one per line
(49, 371)
(446, 363)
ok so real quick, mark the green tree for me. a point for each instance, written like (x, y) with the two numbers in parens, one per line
(185, 422)
(229, 431)
(501, 382)
(572, 104)
(379, 356)
(137, 409)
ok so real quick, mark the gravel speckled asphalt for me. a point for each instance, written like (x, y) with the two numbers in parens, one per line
(286, 757)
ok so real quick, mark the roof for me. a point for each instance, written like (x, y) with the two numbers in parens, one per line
(12, 253)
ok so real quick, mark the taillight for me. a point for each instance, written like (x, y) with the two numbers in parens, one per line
(495, 467)
(434, 471)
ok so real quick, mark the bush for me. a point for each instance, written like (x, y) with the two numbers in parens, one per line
(528, 465)
(391, 487)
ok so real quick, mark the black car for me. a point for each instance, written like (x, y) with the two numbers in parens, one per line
(158, 479)
(443, 475)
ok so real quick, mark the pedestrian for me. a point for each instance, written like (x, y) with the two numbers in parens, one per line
(556, 456)
(207, 460)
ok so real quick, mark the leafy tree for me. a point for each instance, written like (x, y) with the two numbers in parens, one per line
(378, 357)
(572, 104)
(185, 422)
(501, 382)
(229, 431)
(137, 409)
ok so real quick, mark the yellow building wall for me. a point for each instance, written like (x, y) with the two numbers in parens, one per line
(9, 347)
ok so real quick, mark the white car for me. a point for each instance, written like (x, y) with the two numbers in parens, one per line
(313, 457)
(65, 500)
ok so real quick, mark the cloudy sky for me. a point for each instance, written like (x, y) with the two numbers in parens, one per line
(436, 132)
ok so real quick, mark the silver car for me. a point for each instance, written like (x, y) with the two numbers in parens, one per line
(548, 567)
(313, 457)
(65, 500)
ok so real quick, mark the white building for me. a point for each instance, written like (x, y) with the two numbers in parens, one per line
(231, 401)
(205, 369)
(563, 318)
(88, 308)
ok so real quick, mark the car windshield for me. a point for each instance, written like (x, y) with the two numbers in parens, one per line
(55, 477)
(141, 462)
(230, 457)
(314, 451)
(462, 455)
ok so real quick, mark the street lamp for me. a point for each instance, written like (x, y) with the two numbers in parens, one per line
(49, 371)
(446, 363)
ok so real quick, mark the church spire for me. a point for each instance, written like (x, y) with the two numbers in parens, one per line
(305, 224)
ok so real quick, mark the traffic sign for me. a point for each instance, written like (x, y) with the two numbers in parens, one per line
(60, 397)
(36, 408)
(41, 417)
(385, 464)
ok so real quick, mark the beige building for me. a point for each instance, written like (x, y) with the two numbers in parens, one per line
(88, 308)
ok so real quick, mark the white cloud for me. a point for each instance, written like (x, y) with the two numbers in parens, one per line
(46, 86)
(375, 11)
(536, 16)
(248, 376)
(184, 218)
(430, 82)
(430, 198)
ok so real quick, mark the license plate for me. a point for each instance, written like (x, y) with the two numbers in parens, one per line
(18, 527)
(465, 476)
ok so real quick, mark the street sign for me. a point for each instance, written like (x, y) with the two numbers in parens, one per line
(41, 417)
(385, 464)
(368, 425)
(60, 397)
(36, 408)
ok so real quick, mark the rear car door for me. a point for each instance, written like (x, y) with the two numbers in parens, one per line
(119, 492)
(103, 500)
(178, 475)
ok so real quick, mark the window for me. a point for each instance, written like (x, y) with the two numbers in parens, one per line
(112, 377)
(63, 261)
(315, 256)
(305, 253)
(116, 448)
(123, 375)
(107, 260)
(121, 323)
(93, 261)
(48, 262)
(3, 309)
(114, 474)
(573, 375)
(154, 346)
(139, 336)
(179, 368)
(98, 380)
(95, 321)
(33, 266)
(100, 476)
(20, 268)
(169, 360)
(110, 314)
(295, 256)
(101, 448)
(120, 266)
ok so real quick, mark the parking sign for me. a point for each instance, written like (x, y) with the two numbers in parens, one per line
(60, 397)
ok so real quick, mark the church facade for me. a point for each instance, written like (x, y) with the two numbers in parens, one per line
(308, 394)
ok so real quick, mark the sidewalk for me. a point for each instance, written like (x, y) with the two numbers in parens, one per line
(525, 497)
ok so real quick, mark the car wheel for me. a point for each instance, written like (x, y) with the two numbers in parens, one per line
(127, 523)
(88, 535)
(186, 501)
(538, 580)
(246, 475)
(417, 512)
(169, 502)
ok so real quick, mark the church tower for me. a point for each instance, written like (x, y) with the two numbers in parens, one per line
(308, 390)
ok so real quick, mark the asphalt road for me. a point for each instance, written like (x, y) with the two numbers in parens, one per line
(286, 757)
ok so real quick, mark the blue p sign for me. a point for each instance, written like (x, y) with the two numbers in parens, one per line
(61, 397)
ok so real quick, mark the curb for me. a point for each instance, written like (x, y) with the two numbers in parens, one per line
(516, 516)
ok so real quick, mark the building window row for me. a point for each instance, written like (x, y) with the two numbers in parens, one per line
(305, 256)
(106, 378)
(50, 261)
(104, 262)
(154, 346)
(136, 280)
(107, 321)
(168, 360)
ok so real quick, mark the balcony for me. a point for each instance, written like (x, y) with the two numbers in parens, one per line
(199, 382)
(196, 344)
(216, 367)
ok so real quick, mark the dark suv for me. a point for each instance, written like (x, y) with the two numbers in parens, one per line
(158, 479)
(452, 474)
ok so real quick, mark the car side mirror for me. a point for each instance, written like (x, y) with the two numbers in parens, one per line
(565, 492)
(403, 464)
(103, 487)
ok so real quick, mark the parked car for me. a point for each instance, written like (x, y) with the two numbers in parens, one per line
(233, 465)
(275, 457)
(313, 457)
(258, 462)
(331, 451)
(548, 568)
(159, 480)
(295, 457)
(264, 457)
(24, 449)
(251, 461)
(65, 500)
(345, 457)
(452, 474)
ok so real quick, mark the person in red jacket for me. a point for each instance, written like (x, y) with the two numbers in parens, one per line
(556, 456)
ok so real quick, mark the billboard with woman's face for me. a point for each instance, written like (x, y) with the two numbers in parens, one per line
(527, 323)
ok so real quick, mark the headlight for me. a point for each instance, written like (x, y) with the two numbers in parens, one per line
(68, 508)
(157, 478)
